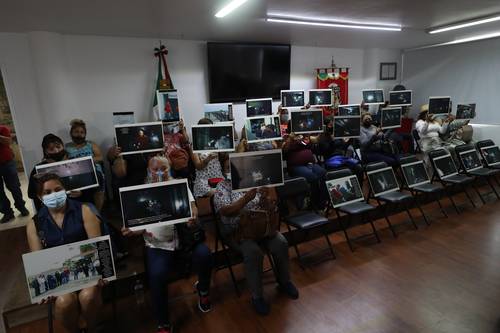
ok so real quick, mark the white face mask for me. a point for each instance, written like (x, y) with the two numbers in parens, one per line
(55, 199)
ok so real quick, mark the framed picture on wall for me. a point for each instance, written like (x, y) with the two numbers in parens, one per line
(388, 70)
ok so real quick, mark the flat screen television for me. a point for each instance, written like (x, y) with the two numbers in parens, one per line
(238, 71)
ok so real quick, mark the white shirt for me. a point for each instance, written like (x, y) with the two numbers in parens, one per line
(164, 237)
(430, 130)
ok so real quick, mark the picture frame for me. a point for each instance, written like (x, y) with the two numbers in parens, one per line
(320, 97)
(439, 104)
(140, 138)
(256, 169)
(168, 105)
(415, 174)
(466, 111)
(292, 99)
(349, 110)
(123, 118)
(213, 138)
(491, 155)
(346, 127)
(259, 107)
(306, 121)
(261, 129)
(445, 166)
(401, 98)
(76, 174)
(344, 191)
(470, 160)
(155, 205)
(382, 181)
(388, 71)
(218, 112)
(373, 96)
(391, 117)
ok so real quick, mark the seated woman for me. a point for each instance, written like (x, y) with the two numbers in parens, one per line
(162, 245)
(81, 147)
(429, 128)
(372, 140)
(207, 166)
(231, 207)
(62, 221)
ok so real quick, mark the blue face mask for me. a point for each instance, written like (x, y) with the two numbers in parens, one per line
(55, 199)
(160, 175)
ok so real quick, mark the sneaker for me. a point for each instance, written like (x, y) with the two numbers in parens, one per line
(165, 329)
(203, 299)
(25, 212)
(7, 218)
(289, 289)
(261, 306)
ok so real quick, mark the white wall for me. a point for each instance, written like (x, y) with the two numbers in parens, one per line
(53, 78)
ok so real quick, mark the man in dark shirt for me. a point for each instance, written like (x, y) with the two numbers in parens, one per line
(8, 175)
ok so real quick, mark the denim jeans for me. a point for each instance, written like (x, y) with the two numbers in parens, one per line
(160, 263)
(8, 175)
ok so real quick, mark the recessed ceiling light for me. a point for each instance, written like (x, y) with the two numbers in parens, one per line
(465, 24)
(333, 24)
(229, 8)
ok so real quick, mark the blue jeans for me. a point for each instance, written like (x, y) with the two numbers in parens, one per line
(315, 176)
(8, 175)
(160, 263)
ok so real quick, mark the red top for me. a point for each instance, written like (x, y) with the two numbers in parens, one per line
(299, 154)
(6, 153)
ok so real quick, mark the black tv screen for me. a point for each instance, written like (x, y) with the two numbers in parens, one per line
(237, 72)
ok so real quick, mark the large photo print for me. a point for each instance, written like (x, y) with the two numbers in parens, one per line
(213, 138)
(400, 98)
(218, 112)
(491, 155)
(259, 107)
(344, 191)
(260, 129)
(415, 174)
(292, 98)
(391, 118)
(255, 169)
(76, 174)
(320, 97)
(68, 268)
(346, 127)
(139, 138)
(306, 121)
(383, 181)
(168, 106)
(155, 204)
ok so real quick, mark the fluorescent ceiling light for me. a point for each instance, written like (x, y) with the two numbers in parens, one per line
(229, 8)
(334, 25)
(459, 41)
(465, 25)
(328, 20)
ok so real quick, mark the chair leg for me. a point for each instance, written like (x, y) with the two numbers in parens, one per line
(330, 245)
(387, 219)
(453, 202)
(479, 194)
(468, 196)
(441, 207)
(299, 258)
(411, 217)
(273, 266)
(419, 206)
(375, 230)
(345, 231)
(492, 187)
(51, 317)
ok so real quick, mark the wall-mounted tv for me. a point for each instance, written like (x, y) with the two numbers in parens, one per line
(238, 71)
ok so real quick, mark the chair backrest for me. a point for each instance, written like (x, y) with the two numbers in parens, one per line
(408, 159)
(375, 166)
(468, 157)
(338, 174)
(484, 143)
(416, 138)
(442, 163)
(292, 188)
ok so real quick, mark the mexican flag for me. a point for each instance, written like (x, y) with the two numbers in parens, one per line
(163, 80)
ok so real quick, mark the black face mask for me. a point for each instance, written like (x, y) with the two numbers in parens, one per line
(56, 156)
(329, 130)
(78, 140)
(367, 123)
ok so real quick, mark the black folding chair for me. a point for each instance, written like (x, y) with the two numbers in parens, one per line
(384, 187)
(468, 156)
(451, 178)
(419, 187)
(416, 138)
(359, 208)
(305, 219)
(484, 146)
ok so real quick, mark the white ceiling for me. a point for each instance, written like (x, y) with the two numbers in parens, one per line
(194, 19)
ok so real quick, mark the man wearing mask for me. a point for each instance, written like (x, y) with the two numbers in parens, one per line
(8, 175)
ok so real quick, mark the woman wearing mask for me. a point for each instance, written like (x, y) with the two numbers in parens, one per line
(60, 221)
(80, 147)
(372, 139)
(162, 245)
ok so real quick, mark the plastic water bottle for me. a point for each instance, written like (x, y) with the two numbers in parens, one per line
(139, 293)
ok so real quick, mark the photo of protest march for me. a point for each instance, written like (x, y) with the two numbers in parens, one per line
(212, 138)
(168, 106)
(346, 127)
(148, 204)
(255, 169)
(76, 174)
(343, 191)
(466, 111)
(138, 138)
(259, 107)
(263, 129)
(67, 268)
(310, 121)
(415, 174)
(383, 181)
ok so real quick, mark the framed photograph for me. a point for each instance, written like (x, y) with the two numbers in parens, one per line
(259, 107)
(255, 169)
(292, 99)
(439, 105)
(390, 118)
(415, 174)
(445, 167)
(470, 160)
(491, 155)
(156, 204)
(219, 112)
(346, 127)
(344, 191)
(68, 268)
(213, 138)
(400, 98)
(388, 71)
(382, 181)
(466, 111)
(123, 118)
(306, 121)
(140, 137)
(373, 96)
(260, 129)
(77, 174)
(349, 110)
(320, 97)
(168, 105)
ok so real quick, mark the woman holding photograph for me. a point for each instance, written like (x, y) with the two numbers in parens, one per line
(60, 221)
(162, 248)
(81, 147)
(372, 140)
